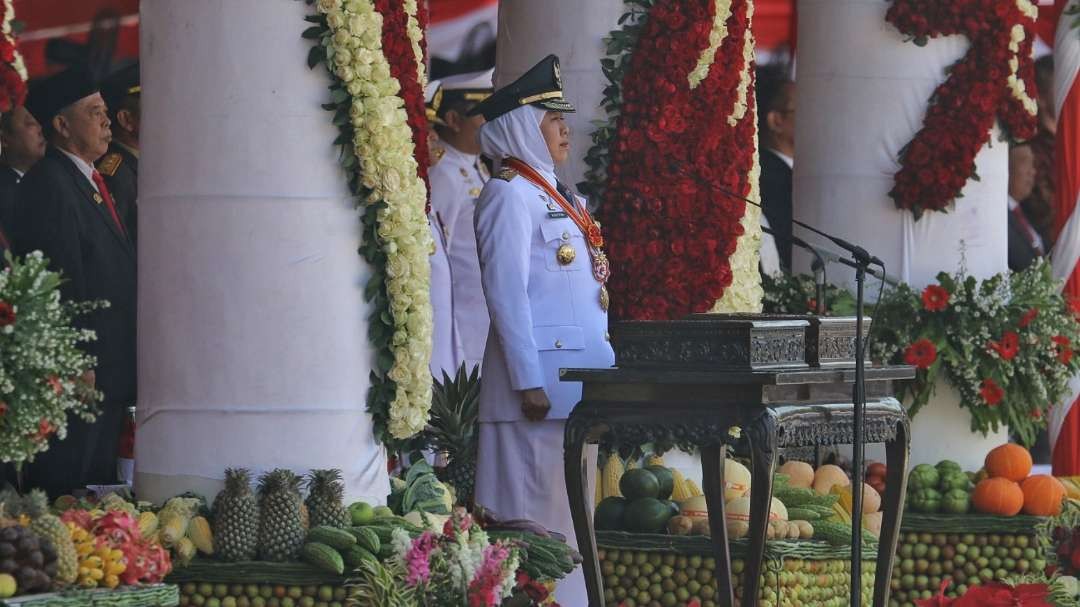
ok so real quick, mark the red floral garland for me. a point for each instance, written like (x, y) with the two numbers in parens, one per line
(671, 233)
(937, 163)
(399, 53)
(12, 84)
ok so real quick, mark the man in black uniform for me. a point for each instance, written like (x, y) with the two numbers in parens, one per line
(64, 208)
(120, 166)
(22, 144)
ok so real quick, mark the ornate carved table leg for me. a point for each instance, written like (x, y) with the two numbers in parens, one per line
(712, 474)
(761, 435)
(896, 462)
(574, 461)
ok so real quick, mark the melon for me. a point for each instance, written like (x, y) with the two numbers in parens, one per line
(609, 514)
(695, 507)
(638, 483)
(647, 515)
(829, 476)
(738, 509)
(665, 479)
(736, 480)
(800, 474)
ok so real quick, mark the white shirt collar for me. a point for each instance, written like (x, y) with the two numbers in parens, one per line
(787, 159)
(467, 159)
(84, 167)
(1012, 203)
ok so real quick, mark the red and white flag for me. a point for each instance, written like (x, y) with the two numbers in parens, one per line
(1065, 418)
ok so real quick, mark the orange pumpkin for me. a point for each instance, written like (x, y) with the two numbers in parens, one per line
(998, 496)
(1043, 495)
(1009, 461)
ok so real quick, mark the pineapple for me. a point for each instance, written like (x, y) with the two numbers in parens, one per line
(452, 429)
(236, 518)
(325, 500)
(281, 531)
(47, 525)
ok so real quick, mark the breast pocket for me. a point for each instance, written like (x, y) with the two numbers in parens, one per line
(559, 337)
(564, 247)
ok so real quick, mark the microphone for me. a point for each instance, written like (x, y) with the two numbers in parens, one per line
(861, 255)
(818, 267)
(821, 256)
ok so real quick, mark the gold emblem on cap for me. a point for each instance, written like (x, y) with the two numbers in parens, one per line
(558, 76)
(566, 254)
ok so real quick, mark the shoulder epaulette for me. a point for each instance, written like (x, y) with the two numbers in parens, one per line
(110, 163)
(506, 174)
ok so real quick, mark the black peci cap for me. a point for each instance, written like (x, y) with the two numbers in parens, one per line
(47, 98)
(541, 86)
(121, 84)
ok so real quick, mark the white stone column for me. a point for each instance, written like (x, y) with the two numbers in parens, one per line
(253, 347)
(530, 30)
(862, 94)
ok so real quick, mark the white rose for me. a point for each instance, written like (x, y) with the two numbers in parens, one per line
(355, 7)
(341, 38)
(325, 6)
(343, 56)
(346, 74)
(335, 20)
(398, 373)
(356, 86)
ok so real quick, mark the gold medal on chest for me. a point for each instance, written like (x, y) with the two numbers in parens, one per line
(566, 254)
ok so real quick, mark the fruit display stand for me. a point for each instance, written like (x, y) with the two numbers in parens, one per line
(156, 595)
(641, 569)
(969, 548)
(210, 583)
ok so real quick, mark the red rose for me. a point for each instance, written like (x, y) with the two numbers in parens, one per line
(991, 392)
(921, 354)
(1028, 317)
(935, 298)
(1063, 347)
(7, 314)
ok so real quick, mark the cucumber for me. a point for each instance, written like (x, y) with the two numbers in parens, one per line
(367, 539)
(323, 556)
(354, 555)
(331, 536)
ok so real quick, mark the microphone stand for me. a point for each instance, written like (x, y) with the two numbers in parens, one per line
(861, 260)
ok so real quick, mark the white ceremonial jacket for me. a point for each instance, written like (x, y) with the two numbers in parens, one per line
(544, 315)
(456, 182)
(445, 347)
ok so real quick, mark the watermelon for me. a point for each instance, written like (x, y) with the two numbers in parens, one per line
(609, 514)
(638, 483)
(666, 480)
(647, 515)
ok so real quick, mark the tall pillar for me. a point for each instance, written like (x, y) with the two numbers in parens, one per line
(861, 96)
(253, 347)
(573, 30)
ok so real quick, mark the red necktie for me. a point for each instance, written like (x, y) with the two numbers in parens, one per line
(99, 181)
(1029, 231)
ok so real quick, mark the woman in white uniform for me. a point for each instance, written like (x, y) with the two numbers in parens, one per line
(543, 272)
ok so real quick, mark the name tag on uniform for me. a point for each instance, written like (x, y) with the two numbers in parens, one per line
(557, 215)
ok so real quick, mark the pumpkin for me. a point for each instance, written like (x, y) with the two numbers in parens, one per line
(1042, 495)
(871, 499)
(999, 496)
(1009, 461)
(800, 474)
(829, 476)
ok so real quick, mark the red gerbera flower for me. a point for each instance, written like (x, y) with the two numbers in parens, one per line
(921, 354)
(1028, 316)
(991, 392)
(1008, 347)
(935, 298)
(1064, 348)
(44, 430)
(7, 314)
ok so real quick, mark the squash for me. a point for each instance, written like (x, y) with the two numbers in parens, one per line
(829, 476)
(1042, 495)
(800, 474)
(872, 522)
(871, 499)
(736, 480)
(999, 496)
(1009, 461)
(738, 509)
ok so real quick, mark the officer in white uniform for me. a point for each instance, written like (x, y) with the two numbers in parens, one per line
(543, 273)
(456, 182)
(445, 346)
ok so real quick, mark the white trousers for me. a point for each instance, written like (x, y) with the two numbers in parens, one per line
(519, 474)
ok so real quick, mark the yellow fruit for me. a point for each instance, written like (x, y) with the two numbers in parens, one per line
(185, 550)
(680, 491)
(8, 586)
(97, 574)
(112, 581)
(599, 494)
(173, 527)
(148, 524)
(693, 488)
(199, 533)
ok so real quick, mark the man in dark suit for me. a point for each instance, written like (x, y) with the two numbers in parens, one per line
(1025, 243)
(776, 129)
(65, 209)
(22, 144)
(120, 166)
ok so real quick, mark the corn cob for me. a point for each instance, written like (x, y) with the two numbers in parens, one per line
(148, 524)
(613, 472)
(198, 532)
(681, 489)
(693, 488)
(185, 550)
(599, 486)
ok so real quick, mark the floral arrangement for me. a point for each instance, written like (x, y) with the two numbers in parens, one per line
(373, 50)
(123, 556)
(41, 364)
(458, 567)
(660, 163)
(996, 79)
(12, 69)
(797, 294)
(998, 594)
(1005, 343)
